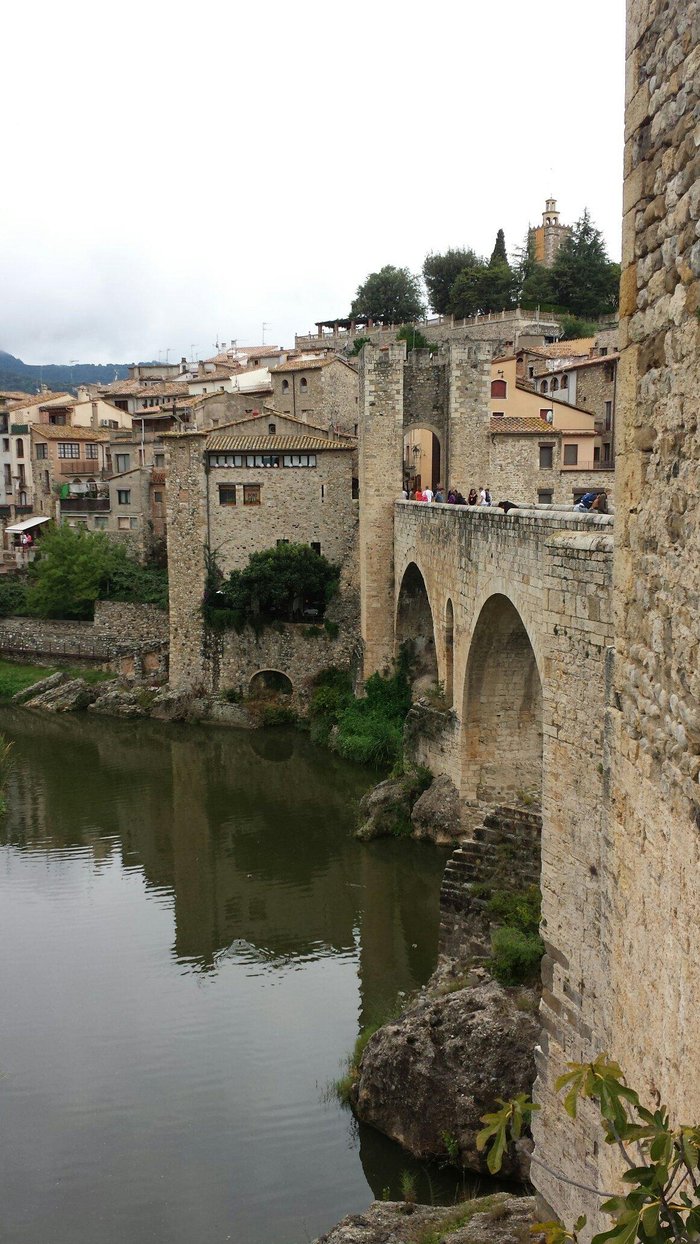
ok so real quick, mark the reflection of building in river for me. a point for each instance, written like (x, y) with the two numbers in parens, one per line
(251, 833)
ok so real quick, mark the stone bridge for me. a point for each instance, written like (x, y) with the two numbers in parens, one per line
(510, 619)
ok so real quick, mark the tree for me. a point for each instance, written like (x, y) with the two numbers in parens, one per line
(277, 584)
(440, 273)
(534, 286)
(414, 338)
(662, 1163)
(583, 278)
(393, 295)
(75, 567)
(573, 328)
(499, 254)
(497, 286)
(465, 295)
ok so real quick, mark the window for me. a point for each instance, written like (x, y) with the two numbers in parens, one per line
(303, 384)
(603, 351)
(127, 524)
(20, 447)
(123, 462)
(47, 482)
(100, 522)
(357, 426)
(499, 388)
(91, 451)
(546, 457)
(6, 444)
(8, 478)
(497, 414)
(91, 485)
(545, 497)
(316, 546)
(159, 460)
(158, 498)
(543, 387)
(570, 455)
(565, 382)
(530, 372)
(555, 385)
(124, 496)
(251, 494)
(22, 477)
(227, 494)
(608, 416)
(285, 386)
(59, 421)
(42, 451)
(68, 449)
(323, 492)
(606, 452)
(609, 371)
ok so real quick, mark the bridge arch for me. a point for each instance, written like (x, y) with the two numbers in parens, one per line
(449, 639)
(415, 626)
(502, 708)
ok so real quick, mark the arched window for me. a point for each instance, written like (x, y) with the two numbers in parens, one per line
(303, 384)
(20, 448)
(555, 385)
(565, 382)
(285, 386)
(543, 387)
(499, 388)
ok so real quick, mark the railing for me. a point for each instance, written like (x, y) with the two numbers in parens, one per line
(79, 466)
(85, 505)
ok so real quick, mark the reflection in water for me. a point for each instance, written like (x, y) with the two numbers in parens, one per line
(190, 932)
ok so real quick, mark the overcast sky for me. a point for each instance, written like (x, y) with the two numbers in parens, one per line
(179, 173)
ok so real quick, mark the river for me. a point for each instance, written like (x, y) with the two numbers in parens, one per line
(191, 940)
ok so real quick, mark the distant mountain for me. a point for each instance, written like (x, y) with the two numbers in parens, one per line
(26, 378)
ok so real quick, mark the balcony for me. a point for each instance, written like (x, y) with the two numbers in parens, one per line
(157, 476)
(85, 505)
(79, 466)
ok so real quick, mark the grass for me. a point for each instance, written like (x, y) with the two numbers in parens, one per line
(460, 1217)
(369, 729)
(342, 1087)
(16, 677)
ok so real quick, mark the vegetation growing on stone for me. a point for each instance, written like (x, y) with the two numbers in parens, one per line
(368, 729)
(280, 584)
(517, 947)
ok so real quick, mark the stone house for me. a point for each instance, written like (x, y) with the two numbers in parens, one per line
(590, 384)
(318, 390)
(65, 460)
(534, 462)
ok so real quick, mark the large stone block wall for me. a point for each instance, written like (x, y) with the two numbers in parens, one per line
(118, 630)
(651, 826)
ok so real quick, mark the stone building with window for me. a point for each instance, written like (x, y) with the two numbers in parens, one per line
(318, 390)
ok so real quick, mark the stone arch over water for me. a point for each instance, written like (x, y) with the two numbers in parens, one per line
(502, 710)
(415, 626)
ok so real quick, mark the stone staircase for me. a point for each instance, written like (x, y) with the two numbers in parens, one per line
(502, 854)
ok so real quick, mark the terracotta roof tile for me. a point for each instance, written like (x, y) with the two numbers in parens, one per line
(41, 399)
(273, 444)
(49, 432)
(522, 426)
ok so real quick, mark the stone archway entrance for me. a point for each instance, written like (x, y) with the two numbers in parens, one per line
(422, 458)
(270, 683)
(502, 711)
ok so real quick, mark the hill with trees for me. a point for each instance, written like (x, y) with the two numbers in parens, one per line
(16, 376)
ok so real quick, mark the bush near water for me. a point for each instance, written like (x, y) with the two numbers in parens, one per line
(368, 730)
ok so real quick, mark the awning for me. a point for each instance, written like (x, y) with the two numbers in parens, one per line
(25, 525)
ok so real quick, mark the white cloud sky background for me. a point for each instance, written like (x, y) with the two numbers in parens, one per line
(178, 173)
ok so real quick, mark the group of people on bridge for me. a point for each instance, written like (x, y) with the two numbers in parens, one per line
(453, 497)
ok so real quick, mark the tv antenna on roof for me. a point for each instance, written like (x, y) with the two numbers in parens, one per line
(264, 326)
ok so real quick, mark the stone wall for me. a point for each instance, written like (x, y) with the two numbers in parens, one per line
(119, 632)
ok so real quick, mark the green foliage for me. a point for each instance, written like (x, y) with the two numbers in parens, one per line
(393, 295)
(499, 255)
(276, 585)
(14, 678)
(232, 696)
(368, 730)
(440, 273)
(75, 567)
(451, 1147)
(13, 595)
(574, 328)
(465, 295)
(662, 1202)
(515, 957)
(519, 909)
(342, 1087)
(583, 278)
(503, 1125)
(358, 343)
(408, 1188)
(414, 338)
(278, 715)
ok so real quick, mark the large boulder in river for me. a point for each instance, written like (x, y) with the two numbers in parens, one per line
(66, 697)
(384, 810)
(427, 1079)
(437, 815)
(38, 688)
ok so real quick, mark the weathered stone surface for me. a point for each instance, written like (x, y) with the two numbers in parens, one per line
(436, 814)
(434, 1072)
(119, 701)
(385, 809)
(65, 697)
(38, 688)
(500, 1219)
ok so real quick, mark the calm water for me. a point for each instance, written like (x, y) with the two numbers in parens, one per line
(190, 941)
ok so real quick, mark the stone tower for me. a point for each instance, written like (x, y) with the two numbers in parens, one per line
(550, 235)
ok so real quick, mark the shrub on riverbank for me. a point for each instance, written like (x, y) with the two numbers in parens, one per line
(280, 584)
(369, 729)
(517, 947)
